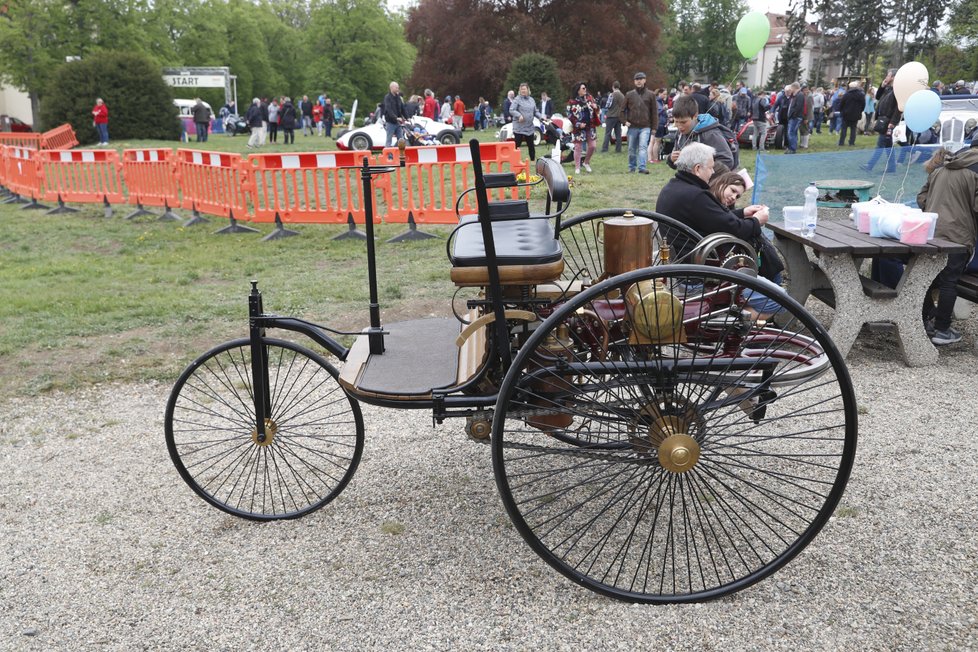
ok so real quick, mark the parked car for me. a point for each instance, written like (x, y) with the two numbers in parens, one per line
(958, 120)
(10, 123)
(372, 136)
(745, 137)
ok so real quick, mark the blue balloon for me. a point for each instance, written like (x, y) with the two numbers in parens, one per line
(922, 110)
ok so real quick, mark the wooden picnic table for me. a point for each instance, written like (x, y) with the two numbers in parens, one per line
(842, 193)
(828, 266)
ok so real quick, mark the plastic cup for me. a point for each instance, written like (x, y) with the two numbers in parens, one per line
(809, 226)
(793, 218)
(933, 224)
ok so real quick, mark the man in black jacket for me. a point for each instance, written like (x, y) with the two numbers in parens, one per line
(887, 116)
(687, 198)
(394, 114)
(853, 103)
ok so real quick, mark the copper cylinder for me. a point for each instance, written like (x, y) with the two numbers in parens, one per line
(627, 244)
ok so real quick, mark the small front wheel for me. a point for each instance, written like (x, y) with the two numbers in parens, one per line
(313, 432)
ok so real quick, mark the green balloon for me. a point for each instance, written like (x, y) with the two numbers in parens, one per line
(753, 31)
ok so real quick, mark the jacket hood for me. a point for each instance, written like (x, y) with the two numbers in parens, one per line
(962, 159)
(703, 121)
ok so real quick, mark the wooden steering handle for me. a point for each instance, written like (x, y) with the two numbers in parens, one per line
(524, 315)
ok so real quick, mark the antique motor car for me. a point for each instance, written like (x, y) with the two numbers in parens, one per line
(651, 438)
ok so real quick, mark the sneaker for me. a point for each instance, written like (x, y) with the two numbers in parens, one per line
(643, 171)
(929, 327)
(944, 337)
(587, 167)
(577, 170)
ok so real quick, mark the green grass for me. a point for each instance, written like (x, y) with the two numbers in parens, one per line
(84, 299)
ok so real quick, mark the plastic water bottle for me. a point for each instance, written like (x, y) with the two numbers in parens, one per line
(810, 212)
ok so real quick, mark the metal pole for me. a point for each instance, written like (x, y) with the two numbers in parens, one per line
(375, 334)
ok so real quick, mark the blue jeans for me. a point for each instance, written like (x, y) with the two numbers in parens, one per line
(393, 129)
(883, 145)
(103, 132)
(638, 147)
(818, 121)
(793, 125)
(201, 132)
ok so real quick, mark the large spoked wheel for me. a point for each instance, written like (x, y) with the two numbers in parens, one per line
(656, 442)
(583, 246)
(314, 432)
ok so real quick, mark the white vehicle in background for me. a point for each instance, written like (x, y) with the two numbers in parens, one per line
(958, 121)
(373, 135)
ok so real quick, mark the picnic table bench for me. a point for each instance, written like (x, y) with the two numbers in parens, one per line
(842, 193)
(828, 267)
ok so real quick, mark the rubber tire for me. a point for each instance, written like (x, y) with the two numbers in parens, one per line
(360, 142)
(609, 515)
(448, 138)
(300, 470)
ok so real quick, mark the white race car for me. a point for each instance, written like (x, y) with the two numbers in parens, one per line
(372, 136)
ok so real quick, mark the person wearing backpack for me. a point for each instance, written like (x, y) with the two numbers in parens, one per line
(759, 118)
(694, 127)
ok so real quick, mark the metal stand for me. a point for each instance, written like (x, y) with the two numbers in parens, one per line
(352, 233)
(108, 207)
(32, 205)
(61, 208)
(412, 233)
(280, 230)
(375, 334)
(196, 219)
(139, 212)
(168, 214)
(234, 227)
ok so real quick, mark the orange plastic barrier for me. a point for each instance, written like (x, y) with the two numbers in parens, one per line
(306, 188)
(428, 186)
(81, 175)
(62, 137)
(212, 183)
(22, 174)
(150, 177)
(20, 139)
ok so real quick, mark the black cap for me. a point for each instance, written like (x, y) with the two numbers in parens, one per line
(639, 75)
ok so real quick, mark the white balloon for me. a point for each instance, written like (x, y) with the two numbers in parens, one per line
(910, 78)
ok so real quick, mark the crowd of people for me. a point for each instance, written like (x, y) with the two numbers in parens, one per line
(267, 116)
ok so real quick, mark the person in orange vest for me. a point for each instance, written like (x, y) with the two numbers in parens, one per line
(100, 120)
(459, 111)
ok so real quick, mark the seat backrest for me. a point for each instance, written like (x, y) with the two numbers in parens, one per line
(558, 188)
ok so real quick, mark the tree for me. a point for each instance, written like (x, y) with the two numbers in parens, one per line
(716, 55)
(140, 103)
(356, 48)
(30, 49)
(537, 70)
(589, 42)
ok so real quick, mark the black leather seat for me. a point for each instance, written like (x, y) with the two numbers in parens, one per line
(518, 242)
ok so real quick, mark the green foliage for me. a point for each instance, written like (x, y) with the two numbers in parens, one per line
(701, 40)
(355, 49)
(537, 70)
(140, 103)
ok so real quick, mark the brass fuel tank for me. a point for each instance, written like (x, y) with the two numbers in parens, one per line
(656, 315)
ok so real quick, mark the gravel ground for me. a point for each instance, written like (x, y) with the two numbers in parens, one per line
(106, 548)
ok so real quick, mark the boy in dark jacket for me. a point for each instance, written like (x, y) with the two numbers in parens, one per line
(851, 107)
(696, 128)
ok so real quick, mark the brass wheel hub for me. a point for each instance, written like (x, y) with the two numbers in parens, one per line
(663, 428)
(679, 453)
(270, 429)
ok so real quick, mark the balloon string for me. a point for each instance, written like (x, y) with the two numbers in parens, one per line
(743, 67)
(903, 183)
(886, 166)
